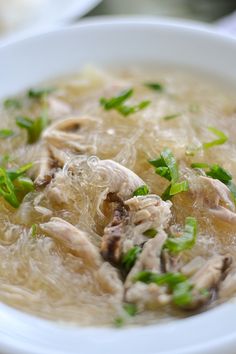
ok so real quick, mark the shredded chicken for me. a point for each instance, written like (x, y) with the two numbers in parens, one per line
(216, 197)
(130, 221)
(147, 295)
(80, 245)
(208, 278)
(75, 239)
(228, 286)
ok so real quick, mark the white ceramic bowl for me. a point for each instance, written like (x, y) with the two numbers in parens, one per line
(125, 42)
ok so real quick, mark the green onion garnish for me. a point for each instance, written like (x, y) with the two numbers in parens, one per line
(187, 240)
(131, 309)
(6, 133)
(166, 166)
(129, 258)
(14, 186)
(117, 103)
(177, 283)
(12, 103)
(156, 86)
(171, 116)
(39, 93)
(142, 190)
(34, 128)
(222, 138)
(150, 233)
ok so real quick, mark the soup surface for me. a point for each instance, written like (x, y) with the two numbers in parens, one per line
(118, 197)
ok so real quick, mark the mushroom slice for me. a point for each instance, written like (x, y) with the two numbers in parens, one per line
(114, 233)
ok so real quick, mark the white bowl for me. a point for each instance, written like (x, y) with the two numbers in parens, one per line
(125, 42)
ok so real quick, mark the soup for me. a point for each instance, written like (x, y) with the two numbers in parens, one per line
(118, 197)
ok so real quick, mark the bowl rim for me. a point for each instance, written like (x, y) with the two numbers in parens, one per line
(16, 317)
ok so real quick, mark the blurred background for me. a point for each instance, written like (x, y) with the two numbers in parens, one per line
(28, 16)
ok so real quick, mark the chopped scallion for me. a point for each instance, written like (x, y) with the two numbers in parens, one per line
(6, 133)
(12, 103)
(222, 138)
(156, 86)
(117, 103)
(129, 258)
(142, 190)
(39, 93)
(131, 309)
(171, 116)
(187, 240)
(34, 128)
(150, 233)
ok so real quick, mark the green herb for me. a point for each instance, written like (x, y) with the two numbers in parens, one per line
(33, 230)
(119, 322)
(131, 309)
(170, 279)
(39, 93)
(199, 165)
(166, 166)
(34, 128)
(142, 190)
(12, 103)
(7, 189)
(14, 186)
(222, 138)
(15, 173)
(126, 110)
(166, 194)
(176, 282)
(129, 258)
(187, 240)
(156, 86)
(179, 187)
(6, 133)
(150, 233)
(182, 294)
(171, 116)
(217, 172)
(4, 160)
(117, 103)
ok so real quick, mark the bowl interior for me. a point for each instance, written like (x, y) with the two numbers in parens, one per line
(105, 43)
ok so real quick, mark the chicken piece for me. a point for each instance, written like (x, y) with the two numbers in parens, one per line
(228, 286)
(171, 263)
(149, 259)
(216, 196)
(193, 266)
(147, 295)
(130, 220)
(65, 134)
(207, 279)
(78, 242)
(121, 180)
(147, 212)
